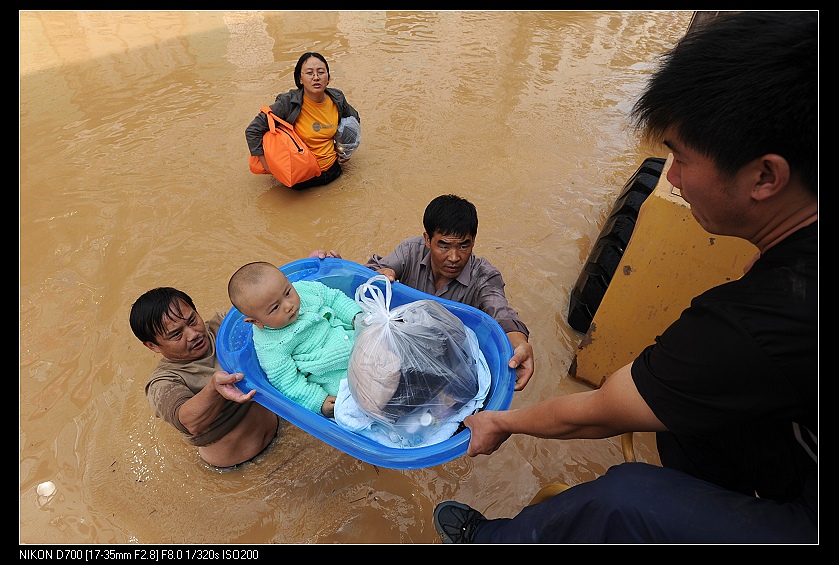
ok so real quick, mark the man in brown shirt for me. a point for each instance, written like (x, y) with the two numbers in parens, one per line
(189, 389)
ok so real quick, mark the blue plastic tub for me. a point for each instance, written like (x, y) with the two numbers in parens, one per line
(237, 355)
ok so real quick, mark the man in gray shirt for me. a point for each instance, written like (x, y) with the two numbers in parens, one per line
(440, 262)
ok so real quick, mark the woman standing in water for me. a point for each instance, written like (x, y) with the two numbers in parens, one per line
(315, 111)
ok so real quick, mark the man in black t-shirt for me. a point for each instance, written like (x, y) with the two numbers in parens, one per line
(731, 387)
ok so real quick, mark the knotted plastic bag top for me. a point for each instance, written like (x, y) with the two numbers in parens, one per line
(413, 362)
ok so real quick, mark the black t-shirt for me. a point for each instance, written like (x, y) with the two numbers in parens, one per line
(735, 378)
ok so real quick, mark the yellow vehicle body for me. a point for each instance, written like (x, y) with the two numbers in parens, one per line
(669, 260)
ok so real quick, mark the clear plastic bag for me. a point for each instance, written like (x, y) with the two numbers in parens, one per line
(347, 137)
(412, 367)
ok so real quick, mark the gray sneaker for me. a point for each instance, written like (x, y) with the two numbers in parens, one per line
(456, 522)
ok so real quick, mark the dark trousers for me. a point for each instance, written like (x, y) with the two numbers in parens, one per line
(325, 177)
(642, 503)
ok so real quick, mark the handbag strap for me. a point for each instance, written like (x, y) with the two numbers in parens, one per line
(272, 117)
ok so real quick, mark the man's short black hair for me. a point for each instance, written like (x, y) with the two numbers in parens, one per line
(740, 86)
(148, 311)
(450, 215)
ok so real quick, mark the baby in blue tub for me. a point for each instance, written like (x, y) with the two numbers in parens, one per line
(303, 332)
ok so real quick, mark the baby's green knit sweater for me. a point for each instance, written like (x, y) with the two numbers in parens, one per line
(307, 359)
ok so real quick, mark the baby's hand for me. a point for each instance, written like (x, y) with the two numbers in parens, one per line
(328, 408)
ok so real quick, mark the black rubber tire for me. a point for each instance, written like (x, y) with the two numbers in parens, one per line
(608, 250)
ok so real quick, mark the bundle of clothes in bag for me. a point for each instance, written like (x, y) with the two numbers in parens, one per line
(415, 371)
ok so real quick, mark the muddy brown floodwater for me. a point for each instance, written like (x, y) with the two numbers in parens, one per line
(134, 174)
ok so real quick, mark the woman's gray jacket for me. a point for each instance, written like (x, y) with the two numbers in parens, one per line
(287, 107)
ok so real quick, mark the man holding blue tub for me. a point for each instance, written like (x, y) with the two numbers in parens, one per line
(440, 262)
(189, 389)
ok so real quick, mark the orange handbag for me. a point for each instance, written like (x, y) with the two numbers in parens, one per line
(290, 160)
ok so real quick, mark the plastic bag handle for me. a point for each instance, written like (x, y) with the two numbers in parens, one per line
(377, 303)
